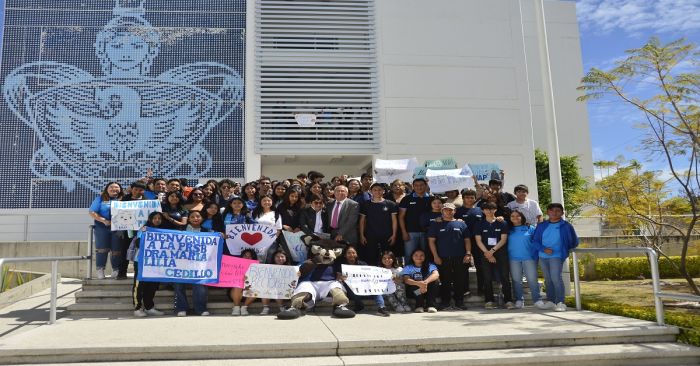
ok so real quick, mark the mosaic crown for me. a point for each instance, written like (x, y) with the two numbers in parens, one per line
(129, 8)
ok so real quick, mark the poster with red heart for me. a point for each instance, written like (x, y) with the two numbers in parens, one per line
(250, 236)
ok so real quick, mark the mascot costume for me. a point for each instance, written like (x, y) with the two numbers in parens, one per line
(317, 280)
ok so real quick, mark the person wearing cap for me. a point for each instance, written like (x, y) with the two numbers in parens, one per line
(411, 207)
(378, 225)
(449, 242)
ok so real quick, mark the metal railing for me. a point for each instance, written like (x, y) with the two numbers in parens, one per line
(655, 278)
(54, 269)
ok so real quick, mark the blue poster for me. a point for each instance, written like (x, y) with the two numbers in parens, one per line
(179, 256)
(99, 91)
(486, 172)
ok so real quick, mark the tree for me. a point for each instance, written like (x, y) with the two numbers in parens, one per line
(572, 182)
(651, 81)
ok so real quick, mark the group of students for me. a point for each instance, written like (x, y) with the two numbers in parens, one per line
(428, 241)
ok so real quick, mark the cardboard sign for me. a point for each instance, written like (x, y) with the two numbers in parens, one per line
(250, 236)
(179, 256)
(270, 281)
(486, 172)
(297, 247)
(132, 215)
(441, 164)
(448, 180)
(232, 271)
(387, 171)
(369, 280)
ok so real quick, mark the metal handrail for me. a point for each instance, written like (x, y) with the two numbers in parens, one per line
(54, 274)
(654, 264)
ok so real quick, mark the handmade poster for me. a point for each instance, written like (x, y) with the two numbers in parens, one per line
(270, 281)
(297, 247)
(250, 236)
(441, 164)
(132, 215)
(368, 280)
(419, 172)
(466, 170)
(179, 256)
(387, 171)
(232, 271)
(486, 172)
(448, 180)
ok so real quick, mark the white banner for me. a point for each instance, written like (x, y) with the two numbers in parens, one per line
(297, 247)
(368, 280)
(250, 236)
(270, 281)
(386, 171)
(448, 180)
(132, 215)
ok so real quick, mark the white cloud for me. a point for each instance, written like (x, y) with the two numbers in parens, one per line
(636, 16)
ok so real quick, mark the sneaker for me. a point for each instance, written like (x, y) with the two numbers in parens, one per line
(460, 307)
(549, 305)
(154, 312)
(100, 273)
(181, 313)
(205, 313)
(519, 304)
(383, 312)
(358, 306)
(443, 306)
(560, 307)
(432, 310)
(540, 305)
(509, 305)
(489, 306)
(418, 310)
(115, 275)
(244, 310)
(236, 311)
(139, 313)
(406, 309)
(265, 310)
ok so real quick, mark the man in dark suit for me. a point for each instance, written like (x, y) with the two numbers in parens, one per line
(342, 216)
(313, 219)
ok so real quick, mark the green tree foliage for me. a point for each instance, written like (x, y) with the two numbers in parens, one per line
(572, 182)
(661, 83)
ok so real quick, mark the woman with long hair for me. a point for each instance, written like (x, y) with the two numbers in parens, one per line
(106, 240)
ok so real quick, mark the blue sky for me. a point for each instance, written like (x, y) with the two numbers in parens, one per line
(608, 28)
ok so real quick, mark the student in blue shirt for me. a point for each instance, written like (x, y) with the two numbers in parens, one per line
(523, 259)
(449, 241)
(491, 238)
(421, 279)
(554, 239)
(106, 240)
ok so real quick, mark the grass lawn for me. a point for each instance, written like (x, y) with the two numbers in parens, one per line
(633, 298)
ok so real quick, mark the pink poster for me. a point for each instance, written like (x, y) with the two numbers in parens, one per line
(233, 271)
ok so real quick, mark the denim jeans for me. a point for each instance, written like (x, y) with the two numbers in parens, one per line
(529, 267)
(552, 267)
(416, 240)
(199, 298)
(107, 240)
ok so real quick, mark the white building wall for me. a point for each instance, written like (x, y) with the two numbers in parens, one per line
(567, 70)
(453, 83)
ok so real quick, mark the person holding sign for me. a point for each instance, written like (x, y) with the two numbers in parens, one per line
(136, 193)
(491, 238)
(199, 292)
(236, 293)
(378, 225)
(143, 292)
(449, 242)
(264, 214)
(421, 279)
(106, 240)
(350, 258)
(398, 298)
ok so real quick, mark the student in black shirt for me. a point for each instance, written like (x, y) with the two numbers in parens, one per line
(491, 238)
(378, 225)
(410, 210)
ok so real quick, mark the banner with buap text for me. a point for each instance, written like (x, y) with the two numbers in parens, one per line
(179, 256)
(132, 215)
(368, 280)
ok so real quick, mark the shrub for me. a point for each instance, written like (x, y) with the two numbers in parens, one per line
(632, 268)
